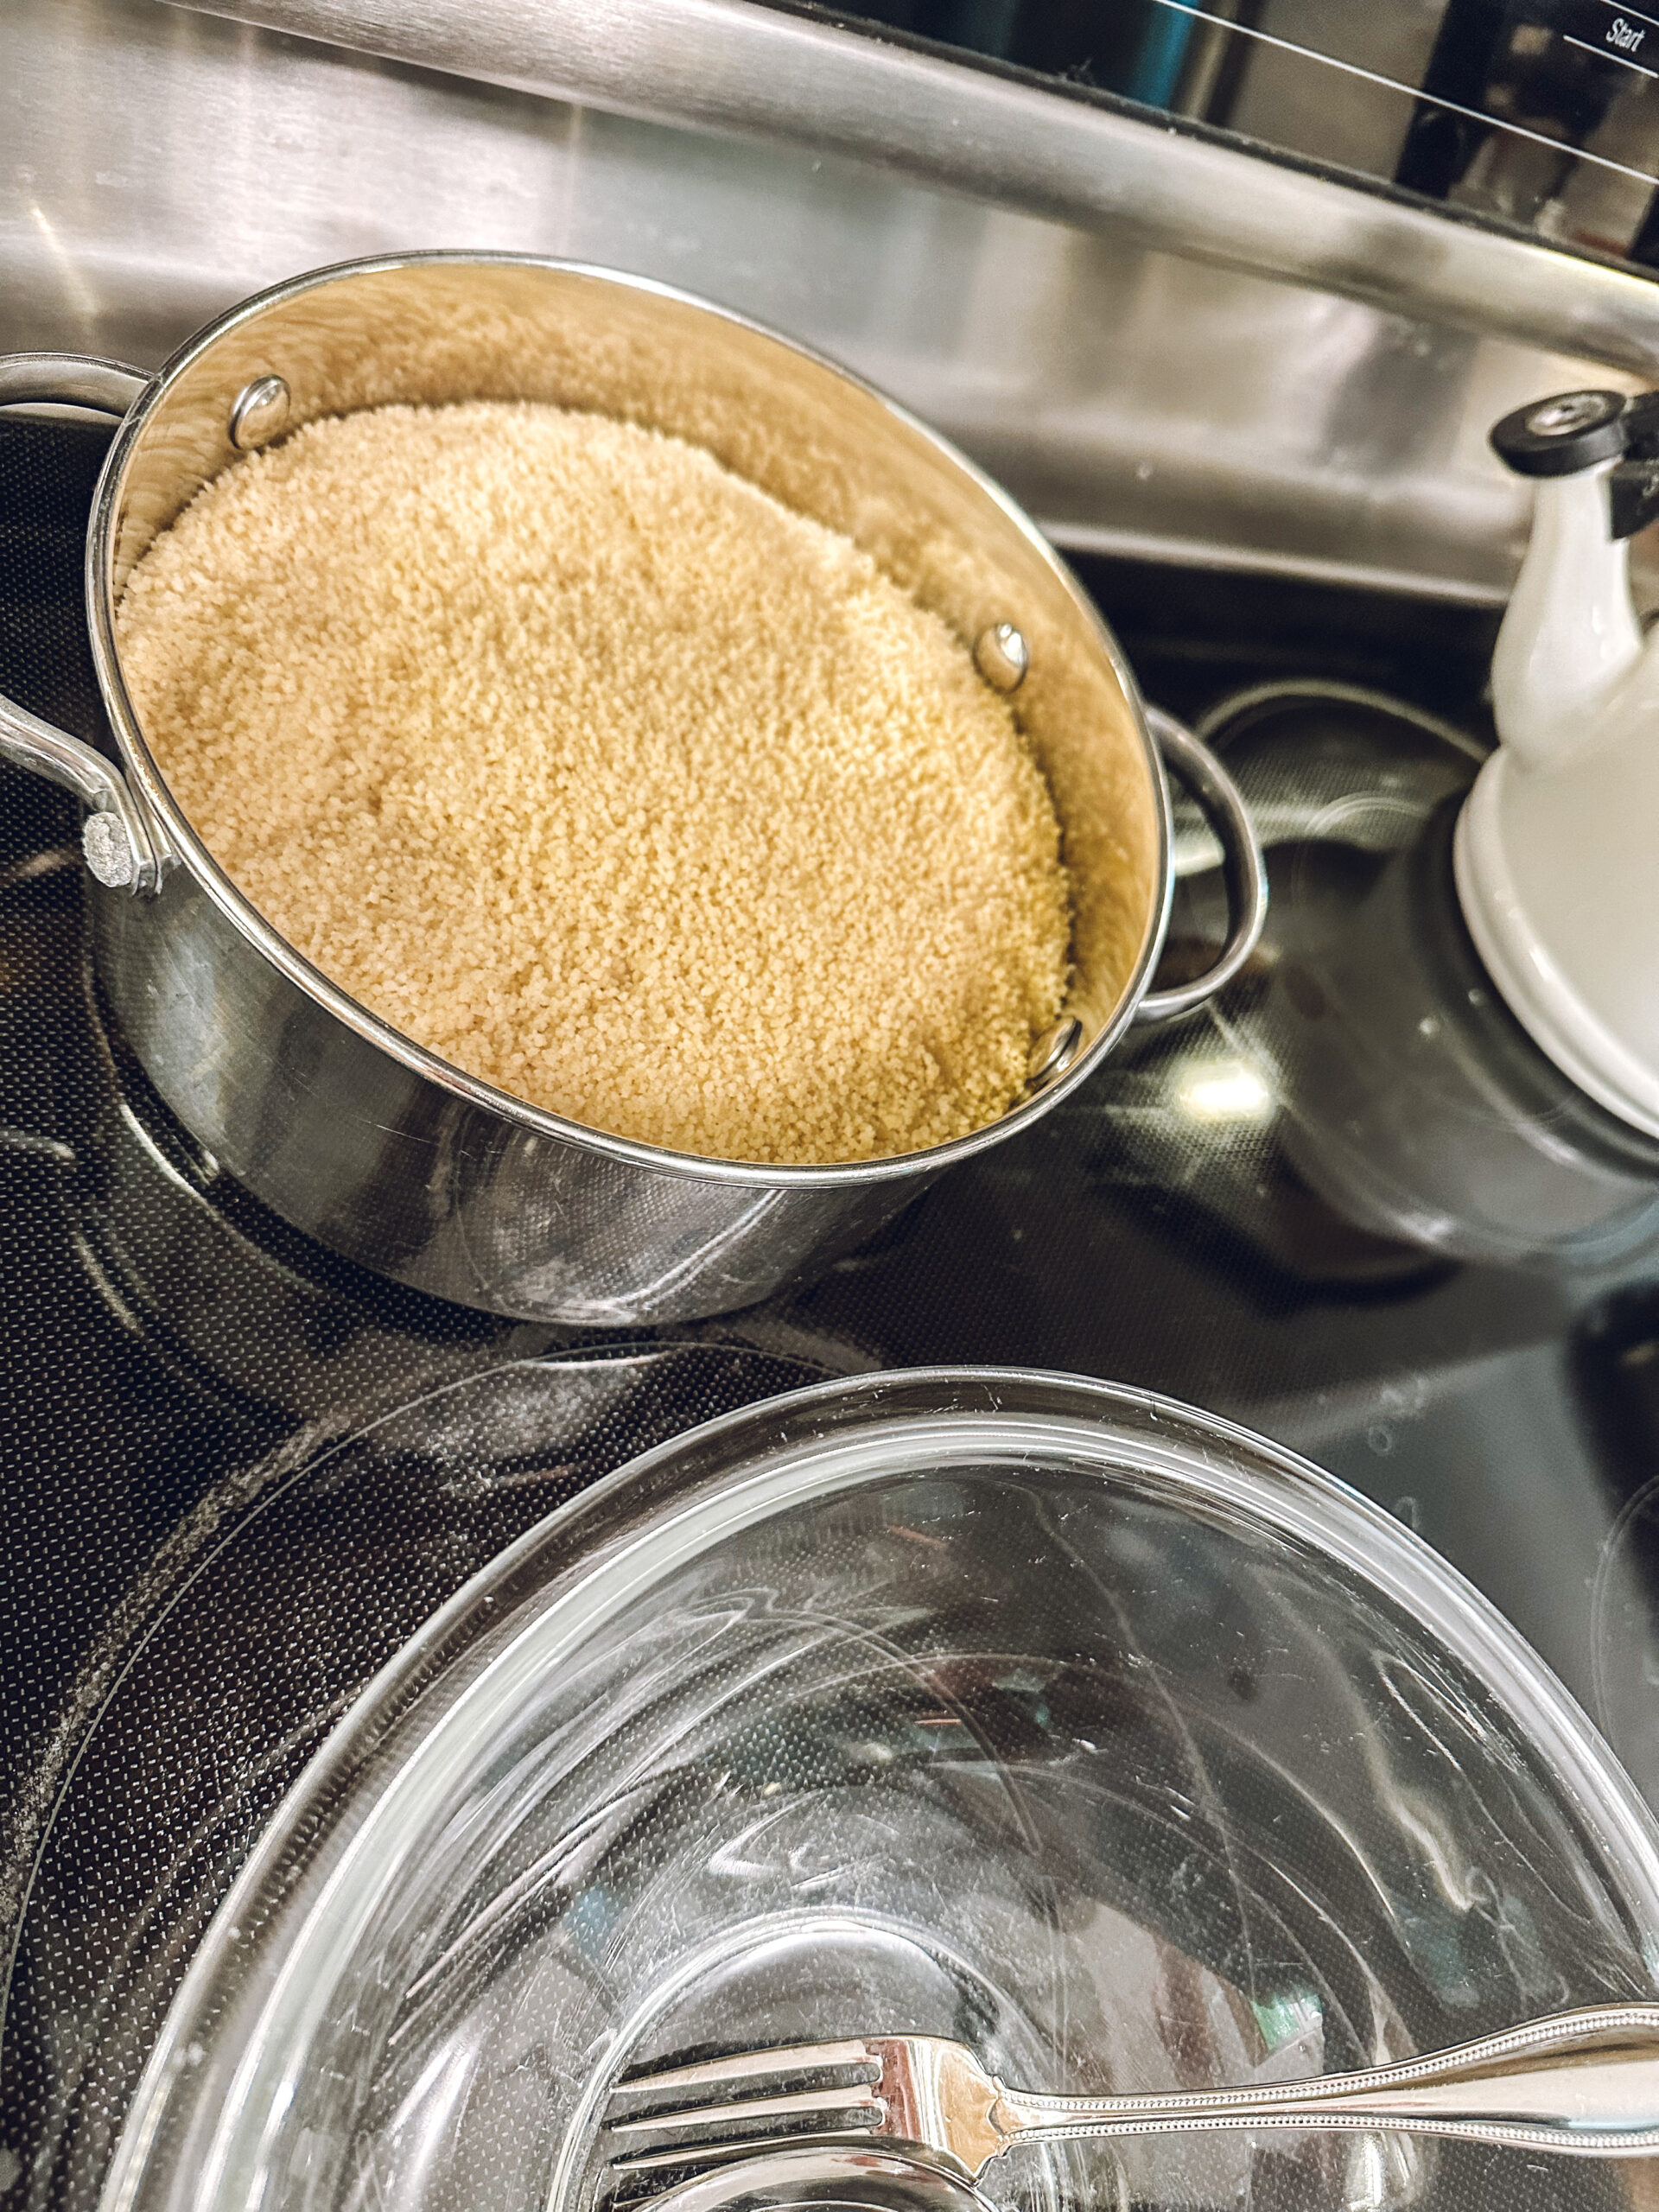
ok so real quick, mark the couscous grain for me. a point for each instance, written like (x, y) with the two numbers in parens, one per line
(590, 766)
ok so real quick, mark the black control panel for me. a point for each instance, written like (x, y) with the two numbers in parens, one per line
(1540, 113)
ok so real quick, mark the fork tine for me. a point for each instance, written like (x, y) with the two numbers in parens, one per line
(857, 2098)
(705, 2155)
(746, 2065)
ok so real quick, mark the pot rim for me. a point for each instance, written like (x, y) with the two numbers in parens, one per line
(184, 848)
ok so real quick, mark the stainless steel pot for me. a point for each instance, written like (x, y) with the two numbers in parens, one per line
(363, 1139)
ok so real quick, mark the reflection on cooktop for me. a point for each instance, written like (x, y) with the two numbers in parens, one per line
(233, 1653)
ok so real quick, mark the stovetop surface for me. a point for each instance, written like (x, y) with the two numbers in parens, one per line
(236, 1473)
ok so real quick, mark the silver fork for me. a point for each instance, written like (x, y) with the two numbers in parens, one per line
(1585, 2082)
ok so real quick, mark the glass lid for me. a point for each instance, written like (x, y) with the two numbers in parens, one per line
(1096, 1733)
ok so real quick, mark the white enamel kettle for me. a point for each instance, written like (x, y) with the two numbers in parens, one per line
(1557, 849)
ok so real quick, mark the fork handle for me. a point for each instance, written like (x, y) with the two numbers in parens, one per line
(1585, 2081)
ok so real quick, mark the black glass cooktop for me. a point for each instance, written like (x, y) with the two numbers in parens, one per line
(1347, 1205)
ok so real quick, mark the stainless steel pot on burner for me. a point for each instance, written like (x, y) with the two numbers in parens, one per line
(361, 1137)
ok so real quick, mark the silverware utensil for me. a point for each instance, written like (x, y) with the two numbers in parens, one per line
(1585, 2083)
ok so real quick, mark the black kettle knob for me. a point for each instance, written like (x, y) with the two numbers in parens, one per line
(1560, 437)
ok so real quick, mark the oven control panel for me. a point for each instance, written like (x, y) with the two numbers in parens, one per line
(1539, 113)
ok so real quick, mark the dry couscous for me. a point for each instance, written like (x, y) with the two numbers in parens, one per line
(593, 768)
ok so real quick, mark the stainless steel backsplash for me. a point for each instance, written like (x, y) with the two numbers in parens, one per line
(161, 164)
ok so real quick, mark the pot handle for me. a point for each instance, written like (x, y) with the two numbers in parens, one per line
(1246, 871)
(116, 839)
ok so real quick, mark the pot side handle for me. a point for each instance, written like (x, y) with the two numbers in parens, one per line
(1247, 870)
(115, 837)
